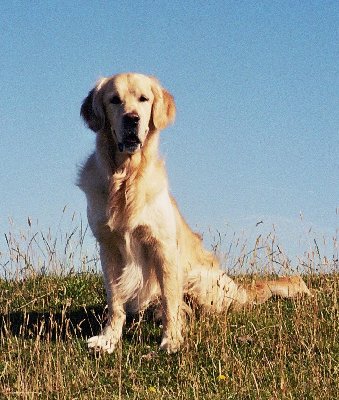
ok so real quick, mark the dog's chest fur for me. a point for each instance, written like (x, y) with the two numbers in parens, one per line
(133, 206)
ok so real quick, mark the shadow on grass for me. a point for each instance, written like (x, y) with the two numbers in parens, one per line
(81, 323)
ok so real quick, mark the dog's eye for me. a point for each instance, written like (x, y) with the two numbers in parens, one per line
(142, 99)
(115, 100)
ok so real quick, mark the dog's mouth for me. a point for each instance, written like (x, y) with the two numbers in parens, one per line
(130, 144)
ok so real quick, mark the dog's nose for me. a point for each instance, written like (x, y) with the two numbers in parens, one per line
(131, 120)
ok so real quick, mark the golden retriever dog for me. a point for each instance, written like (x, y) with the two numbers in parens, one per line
(147, 250)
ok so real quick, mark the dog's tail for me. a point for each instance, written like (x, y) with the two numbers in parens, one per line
(215, 290)
(285, 286)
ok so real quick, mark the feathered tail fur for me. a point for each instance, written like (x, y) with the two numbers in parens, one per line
(215, 290)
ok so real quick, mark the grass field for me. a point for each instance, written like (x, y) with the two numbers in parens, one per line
(280, 350)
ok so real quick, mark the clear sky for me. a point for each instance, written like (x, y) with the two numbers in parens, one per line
(256, 86)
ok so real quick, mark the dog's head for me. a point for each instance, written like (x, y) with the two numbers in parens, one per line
(129, 107)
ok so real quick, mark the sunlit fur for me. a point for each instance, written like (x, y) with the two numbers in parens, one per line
(147, 250)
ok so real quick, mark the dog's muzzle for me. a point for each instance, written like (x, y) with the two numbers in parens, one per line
(130, 142)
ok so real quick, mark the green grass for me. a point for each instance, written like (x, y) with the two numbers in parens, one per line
(279, 350)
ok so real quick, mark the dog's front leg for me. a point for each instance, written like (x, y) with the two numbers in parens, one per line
(108, 338)
(170, 277)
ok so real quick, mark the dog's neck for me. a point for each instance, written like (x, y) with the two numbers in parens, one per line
(115, 162)
(130, 178)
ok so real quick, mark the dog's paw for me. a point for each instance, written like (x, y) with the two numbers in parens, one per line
(171, 345)
(102, 343)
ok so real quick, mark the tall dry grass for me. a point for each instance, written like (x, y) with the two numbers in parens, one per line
(52, 298)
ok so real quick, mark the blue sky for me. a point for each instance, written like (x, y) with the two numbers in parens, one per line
(256, 86)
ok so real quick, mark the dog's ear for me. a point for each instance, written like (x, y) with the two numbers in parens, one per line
(163, 108)
(92, 109)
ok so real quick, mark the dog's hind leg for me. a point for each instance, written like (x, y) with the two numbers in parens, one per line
(213, 289)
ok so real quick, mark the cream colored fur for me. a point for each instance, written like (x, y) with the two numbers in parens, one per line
(147, 250)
